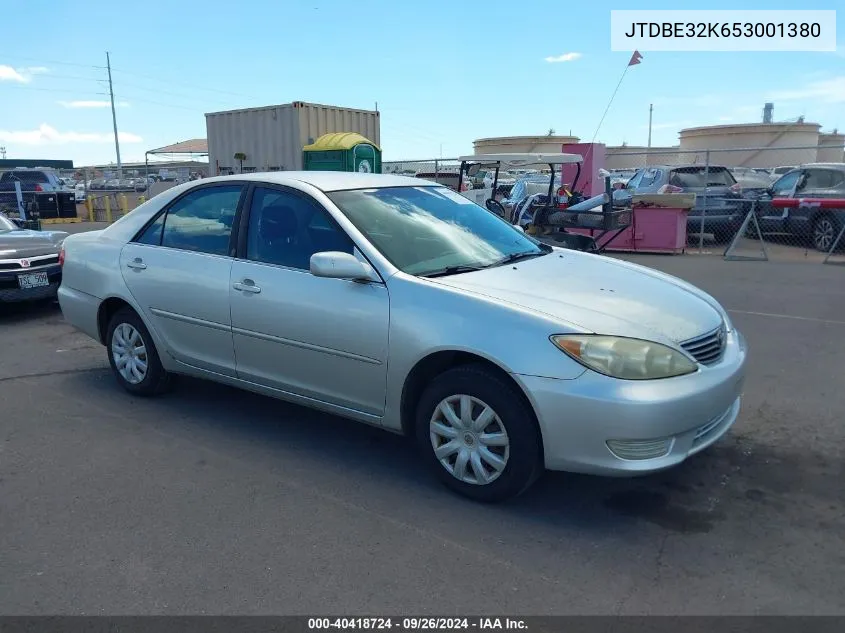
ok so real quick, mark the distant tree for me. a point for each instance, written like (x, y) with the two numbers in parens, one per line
(551, 132)
(240, 157)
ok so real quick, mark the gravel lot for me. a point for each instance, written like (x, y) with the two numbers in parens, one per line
(210, 500)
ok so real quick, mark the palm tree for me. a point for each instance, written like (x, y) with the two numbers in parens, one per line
(240, 157)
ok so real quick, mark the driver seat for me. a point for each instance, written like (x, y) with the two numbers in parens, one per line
(280, 240)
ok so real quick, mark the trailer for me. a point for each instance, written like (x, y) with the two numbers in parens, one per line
(272, 138)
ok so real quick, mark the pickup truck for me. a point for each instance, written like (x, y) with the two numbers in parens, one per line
(42, 193)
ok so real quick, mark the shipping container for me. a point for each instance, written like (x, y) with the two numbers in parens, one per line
(271, 138)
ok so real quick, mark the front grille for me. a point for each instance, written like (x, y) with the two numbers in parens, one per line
(707, 348)
(34, 262)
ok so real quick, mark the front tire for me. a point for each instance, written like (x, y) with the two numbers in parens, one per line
(133, 356)
(478, 434)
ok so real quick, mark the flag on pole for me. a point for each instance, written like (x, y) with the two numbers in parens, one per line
(636, 58)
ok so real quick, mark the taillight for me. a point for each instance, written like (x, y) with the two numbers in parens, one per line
(39, 188)
(670, 189)
(62, 256)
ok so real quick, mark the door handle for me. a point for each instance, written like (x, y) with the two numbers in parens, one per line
(137, 264)
(247, 285)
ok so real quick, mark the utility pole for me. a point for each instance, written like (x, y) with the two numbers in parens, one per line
(114, 120)
(3, 151)
(650, 110)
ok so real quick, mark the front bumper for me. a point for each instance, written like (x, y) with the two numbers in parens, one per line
(11, 292)
(665, 420)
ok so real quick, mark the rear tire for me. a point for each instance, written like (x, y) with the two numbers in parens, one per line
(133, 356)
(491, 449)
(825, 231)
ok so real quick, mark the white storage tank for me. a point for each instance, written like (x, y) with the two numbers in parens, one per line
(271, 138)
(522, 144)
(636, 156)
(775, 144)
(831, 148)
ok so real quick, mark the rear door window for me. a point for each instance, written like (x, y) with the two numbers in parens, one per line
(823, 179)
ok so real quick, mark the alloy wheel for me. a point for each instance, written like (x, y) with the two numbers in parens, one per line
(824, 234)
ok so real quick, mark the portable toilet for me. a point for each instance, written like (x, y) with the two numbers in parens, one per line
(342, 151)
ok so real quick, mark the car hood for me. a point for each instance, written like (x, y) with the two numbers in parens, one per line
(27, 243)
(597, 294)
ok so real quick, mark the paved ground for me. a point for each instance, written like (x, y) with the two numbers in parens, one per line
(210, 500)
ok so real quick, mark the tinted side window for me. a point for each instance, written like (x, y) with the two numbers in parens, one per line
(286, 229)
(202, 220)
(785, 184)
(823, 179)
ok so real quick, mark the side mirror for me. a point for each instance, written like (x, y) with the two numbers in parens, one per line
(337, 265)
(519, 228)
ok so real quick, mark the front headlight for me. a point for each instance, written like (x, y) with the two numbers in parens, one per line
(625, 358)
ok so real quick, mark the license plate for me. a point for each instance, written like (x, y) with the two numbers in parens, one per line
(33, 280)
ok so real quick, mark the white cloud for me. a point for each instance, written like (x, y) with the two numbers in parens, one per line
(48, 135)
(20, 75)
(825, 91)
(93, 104)
(566, 57)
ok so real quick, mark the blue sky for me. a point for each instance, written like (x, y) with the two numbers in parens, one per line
(443, 73)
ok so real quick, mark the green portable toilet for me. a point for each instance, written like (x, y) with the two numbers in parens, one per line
(342, 151)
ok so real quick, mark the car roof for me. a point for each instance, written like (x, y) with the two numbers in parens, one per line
(839, 166)
(329, 180)
(671, 167)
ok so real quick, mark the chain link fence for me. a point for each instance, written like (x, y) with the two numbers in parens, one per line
(770, 202)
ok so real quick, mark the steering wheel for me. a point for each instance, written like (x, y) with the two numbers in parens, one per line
(494, 206)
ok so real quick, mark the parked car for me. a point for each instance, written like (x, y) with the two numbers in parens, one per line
(81, 194)
(126, 184)
(29, 262)
(819, 227)
(112, 184)
(501, 356)
(750, 179)
(41, 191)
(97, 184)
(780, 171)
(719, 205)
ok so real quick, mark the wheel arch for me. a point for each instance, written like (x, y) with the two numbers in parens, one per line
(434, 364)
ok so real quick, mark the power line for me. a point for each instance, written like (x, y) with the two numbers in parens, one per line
(181, 83)
(65, 90)
(55, 63)
(133, 99)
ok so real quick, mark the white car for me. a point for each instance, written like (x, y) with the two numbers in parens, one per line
(400, 303)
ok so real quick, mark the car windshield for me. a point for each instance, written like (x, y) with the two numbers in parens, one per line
(431, 230)
(701, 177)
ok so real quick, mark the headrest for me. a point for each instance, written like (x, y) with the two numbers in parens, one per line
(277, 221)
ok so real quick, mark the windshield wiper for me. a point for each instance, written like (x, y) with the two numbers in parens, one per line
(452, 270)
(518, 257)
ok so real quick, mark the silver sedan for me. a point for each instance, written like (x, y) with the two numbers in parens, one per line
(401, 304)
